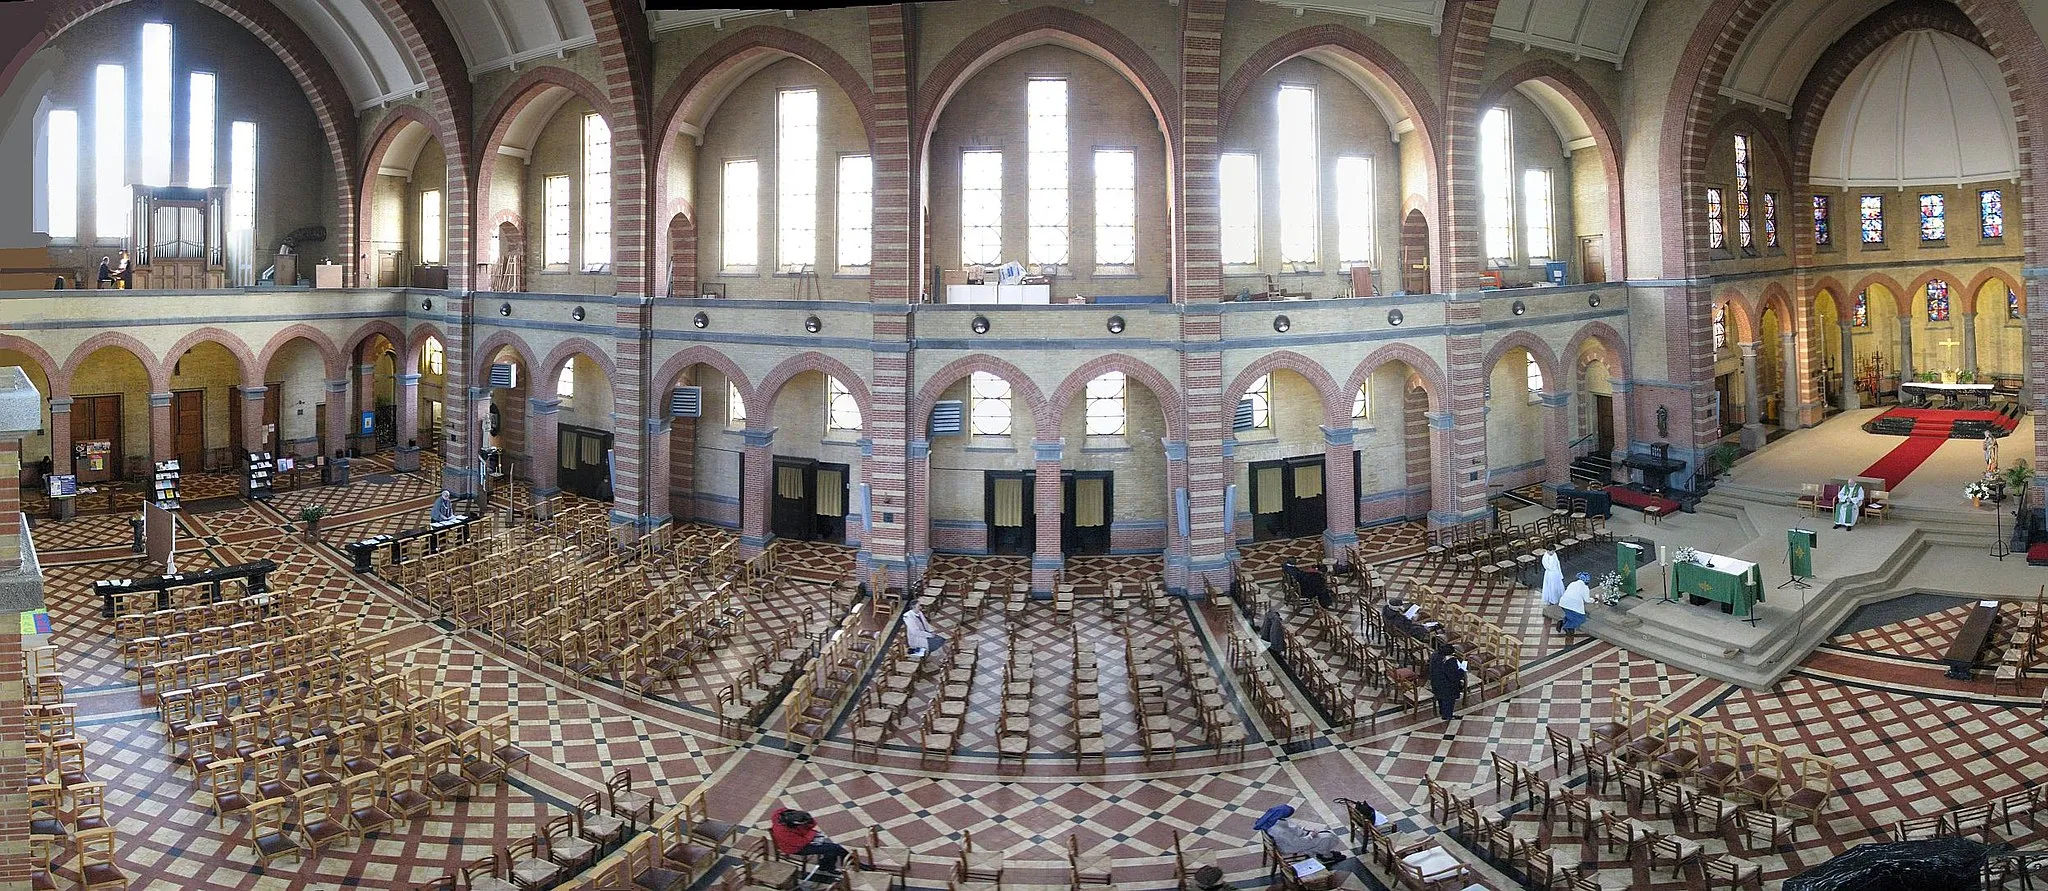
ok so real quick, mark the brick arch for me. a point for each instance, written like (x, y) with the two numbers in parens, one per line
(362, 335)
(1609, 340)
(811, 360)
(497, 222)
(159, 381)
(1546, 358)
(1021, 386)
(1434, 389)
(626, 54)
(1898, 291)
(1775, 298)
(1165, 391)
(1990, 274)
(329, 354)
(673, 369)
(417, 341)
(1763, 133)
(401, 117)
(679, 274)
(44, 363)
(1836, 62)
(315, 77)
(252, 373)
(1840, 296)
(579, 346)
(1288, 360)
(1739, 315)
(498, 122)
(1606, 134)
(1918, 290)
(480, 361)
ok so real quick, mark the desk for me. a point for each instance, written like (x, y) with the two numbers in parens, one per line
(1737, 585)
(1969, 643)
(362, 551)
(254, 574)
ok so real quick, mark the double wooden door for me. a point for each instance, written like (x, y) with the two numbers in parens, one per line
(807, 500)
(96, 419)
(1087, 502)
(1288, 498)
(583, 461)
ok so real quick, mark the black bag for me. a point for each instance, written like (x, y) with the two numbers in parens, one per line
(796, 819)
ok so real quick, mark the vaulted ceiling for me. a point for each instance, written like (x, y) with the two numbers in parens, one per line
(1592, 29)
(374, 65)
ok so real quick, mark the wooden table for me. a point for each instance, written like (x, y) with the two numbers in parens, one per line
(1969, 642)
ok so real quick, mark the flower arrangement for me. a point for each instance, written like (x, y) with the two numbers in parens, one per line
(1686, 555)
(1611, 592)
(1977, 490)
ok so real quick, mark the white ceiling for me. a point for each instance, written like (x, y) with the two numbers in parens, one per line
(669, 20)
(373, 64)
(1593, 29)
(1928, 108)
(498, 34)
(375, 67)
(1783, 46)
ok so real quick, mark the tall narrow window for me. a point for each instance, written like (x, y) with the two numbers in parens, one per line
(1116, 210)
(1720, 326)
(1261, 395)
(2012, 303)
(1237, 202)
(110, 153)
(796, 179)
(61, 135)
(988, 398)
(1536, 198)
(1859, 312)
(199, 160)
(1933, 217)
(1105, 405)
(1937, 301)
(1823, 232)
(1535, 374)
(565, 385)
(1354, 211)
(434, 357)
(1770, 219)
(740, 215)
(155, 104)
(981, 208)
(1361, 402)
(241, 176)
(597, 193)
(735, 406)
(842, 411)
(1991, 212)
(1496, 187)
(1717, 225)
(1872, 211)
(430, 227)
(1744, 235)
(1299, 206)
(856, 211)
(557, 194)
(1045, 140)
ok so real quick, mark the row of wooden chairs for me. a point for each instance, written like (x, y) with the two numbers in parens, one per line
(296, 648)
(818, 695)
(1221, 725)
(1269, 696)
(939, 731)
(1975, 818)
(2023, 650)
(1084, 692)
(193, 609)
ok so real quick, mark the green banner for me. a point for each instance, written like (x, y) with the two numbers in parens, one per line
(1625, 557)
(1799, 552)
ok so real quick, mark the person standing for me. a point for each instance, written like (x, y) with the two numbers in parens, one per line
(1446, 680)
(1553, 578)
(1849, 504)
(917, 632)
(1574, 604)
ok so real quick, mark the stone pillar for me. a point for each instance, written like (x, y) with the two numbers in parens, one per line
(1048, 500)
(917, 476)
(1557, 449)
(542, 418)
(1340, 495)
(160, 446)
(1444, 475)
(253, 439)
(1850, 401)
(338, 420)
(406, 418)
(1905, 349)
(1789, 404)
(60, 434)
(1969, 323)
(1752, 404)
(757, 464)
(1176, 532)
(366, 401)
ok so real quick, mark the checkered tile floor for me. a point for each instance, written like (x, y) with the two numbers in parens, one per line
(1910, 742)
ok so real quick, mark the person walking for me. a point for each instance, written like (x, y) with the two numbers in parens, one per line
(1446, 680)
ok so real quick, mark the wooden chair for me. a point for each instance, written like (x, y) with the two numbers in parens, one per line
(1093, 869)
(1772, 829)
(1676, 848)
(565, 847)
(1733, 870)
(978, 865)
(266, 833)
(874, 856)
(224, 786)
(484, 874)
(359, 805)
(1428, 868)
(625, 802)
(401, 788)
(1626, 834)
(97, 866)
(315, 818)
(595, 822)
(527, 865)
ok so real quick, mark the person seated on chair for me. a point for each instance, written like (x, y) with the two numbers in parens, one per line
(1310, 583)
(917, 632)
(443, 509)
(1848, 504)
(1294, 839)
(797, 835)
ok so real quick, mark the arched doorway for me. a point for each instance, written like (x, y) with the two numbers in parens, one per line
(406, 219)
(206, 408)
(704, 452)
(570, 432)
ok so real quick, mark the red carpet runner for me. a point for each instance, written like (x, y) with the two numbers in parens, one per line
(1937, 421)
(1900, 462)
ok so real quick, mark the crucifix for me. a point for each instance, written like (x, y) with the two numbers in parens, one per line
(1951, 343)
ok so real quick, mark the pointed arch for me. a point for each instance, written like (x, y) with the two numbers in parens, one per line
(417, 341)
(1990, 274)
(480, 361)
(578, 346)
(369, 329)
(1610, 342)
(1898, 291)
(550, 83)
(1839, 295)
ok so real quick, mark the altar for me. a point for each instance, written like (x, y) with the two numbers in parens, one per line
(1736, 584)
(1948, 393)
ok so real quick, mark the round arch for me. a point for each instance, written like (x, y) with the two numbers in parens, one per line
(1545, 357)
(1991, 274)
(329, 355)
(673, 369)
(771, 386)
(480, 361)
(252, 373)
(1609, 340)
(1134, 369)
(1593, 115)
(1310, 370)
(1891, 286)
(1918, 289)
(538, 91)
(1433, 387)
(1829, 285)
(1739, 316)
(1021, 386)
(44, 363)
(1775, 298)
(398, 131)
(159, 381)
(571, 348)
(362, 335)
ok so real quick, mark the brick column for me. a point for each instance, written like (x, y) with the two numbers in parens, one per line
(160, 445)
(406, 391)
(460, 435)
(682, 469)
(1557, 452)
(1461, 64)
(253, 439)
(10, 507)
(1849, 398)
(1445, 477)
(366, 401)
(1197, 278)
(1752, 404)
(542, 419)
(655, 510)
(14, 762)
(1340, 494)
(1418, 444)
(1791, 407)
(1176, 535)
(757, 466)
(1048, 499)
(894, 282)
(60, 434)
(636, 409)
(917, 469)
(337, 417)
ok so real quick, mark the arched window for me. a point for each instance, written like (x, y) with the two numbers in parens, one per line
(1720, 326)
(1937, 301)
(1859, 312)
(1261, 395)
(735, 407)
(988, 406)
(1105, 405)
(1496, 186)
(1535, 374)
(842, 411)
(1361, 403)
(565, 385)
(433, 358)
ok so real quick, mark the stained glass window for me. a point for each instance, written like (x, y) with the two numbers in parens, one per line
(1991, 210)
(1872, 209)
(1744, 235)
(1720, 326)
(1770, 219)
(1933, 217)
(1717, 229)
(2012, 303)
(1937, 301)
(1859, 312)
(1821, 233)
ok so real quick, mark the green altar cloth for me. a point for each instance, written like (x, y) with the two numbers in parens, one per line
(1736, 585)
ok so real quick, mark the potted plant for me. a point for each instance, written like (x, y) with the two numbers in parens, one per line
(2017, 477)
(1977, 491)
(1722, 457)
(309, 518)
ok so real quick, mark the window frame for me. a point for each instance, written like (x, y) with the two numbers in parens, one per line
(565, 384)
(153, 108)
(434, 357)
(1533, 377)
(1041, 187)
(1770, 200)
(1530, 198)
(1933, 217)
(791, 204)
(839, 396)
(596, 205)
(64, 158)
(727, 219)
(1298, 181)
(1745, 230)
(1717, 219)
(1991, 213)
(112, 203)
(433, 228)
(1103, 225)
(1091, 399)
(1355, 222)
(1864, 219)
(1260, 392)
(1361, 403)
(1823, 221)
(1930, 293)
(194, 129)
(854, 228)
(976, 232)
(1497, 211)
(558, 221)
(242, 189)
(1228, 199)
(977, 402)
(735, 406)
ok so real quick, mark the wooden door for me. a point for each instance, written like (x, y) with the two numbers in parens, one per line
(793, 496)
(1603, 423)
(828, 502)
(1088, 503)
(1269, 500)
(1307, 497)
(96, 419)
(188, 428)
(1009, 500)
(583, 461)
(388, 266)
(1593, 258)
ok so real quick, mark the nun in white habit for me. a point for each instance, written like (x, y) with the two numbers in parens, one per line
(1553, 578)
